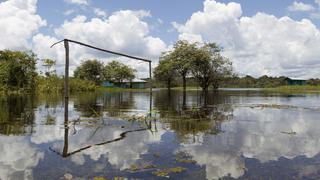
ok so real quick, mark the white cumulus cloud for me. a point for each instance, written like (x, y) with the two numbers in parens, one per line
(80, 2)
(18, 158)
(123, 31)
(100, 13)
(18, 22)
(300, 6)
(259, 45)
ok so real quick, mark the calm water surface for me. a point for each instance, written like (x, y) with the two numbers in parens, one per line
(241, 135)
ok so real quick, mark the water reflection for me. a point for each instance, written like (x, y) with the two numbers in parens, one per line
(17, 115)
(257, 134)
(99, 135)
(234, 137)
(18, 157)
(192, 120)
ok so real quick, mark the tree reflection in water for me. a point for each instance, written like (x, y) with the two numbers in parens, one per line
(16, 115)
(193, 119)
(99, 125)
(237, 135)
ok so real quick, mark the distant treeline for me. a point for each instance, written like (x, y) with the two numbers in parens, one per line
(265, 82)
(248, 82)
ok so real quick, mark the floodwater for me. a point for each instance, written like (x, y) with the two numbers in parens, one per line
(241, 135)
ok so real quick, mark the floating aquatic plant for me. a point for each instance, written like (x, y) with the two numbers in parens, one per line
(177, 169)
(187, 161)
(149, 166)
(99, 178)
(161, 173)
(166, 172)
(134, 168)
(184, 157)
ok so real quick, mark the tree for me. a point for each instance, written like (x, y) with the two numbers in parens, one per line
(221, 66)
(118, 72)
(202, 68)
(209, 66)
(165, 71)
(91, 70)
(49, 63)
(182, 54)
(313, 82)
(17, 70)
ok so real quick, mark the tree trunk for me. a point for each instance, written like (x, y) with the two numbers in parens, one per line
(215, 84)
(169, 85)
(184, 104)
(205, 96)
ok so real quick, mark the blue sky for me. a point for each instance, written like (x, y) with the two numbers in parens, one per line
(260, 37)
(166, 10)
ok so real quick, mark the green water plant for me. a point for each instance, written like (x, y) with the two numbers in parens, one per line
(161, 173)
(166, 172)
(134, 167)
(149, 166)
(99, 178)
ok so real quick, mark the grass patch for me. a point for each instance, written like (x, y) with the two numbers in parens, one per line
(188, 88)
(55, 84)
(115, 89)
(296, 89)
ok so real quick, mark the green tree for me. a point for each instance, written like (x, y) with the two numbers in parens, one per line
(51, 82)
(165, 71)
(202, 68)
(220, 66)
(182, 54)
(17, 70)
(313, 82)
(118, 72)
(209, 66)
(91, 70)
(49, 64)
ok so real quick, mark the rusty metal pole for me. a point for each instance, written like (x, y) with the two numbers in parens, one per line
(66, 100)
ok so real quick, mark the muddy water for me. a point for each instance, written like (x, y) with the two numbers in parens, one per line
(241, 135)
